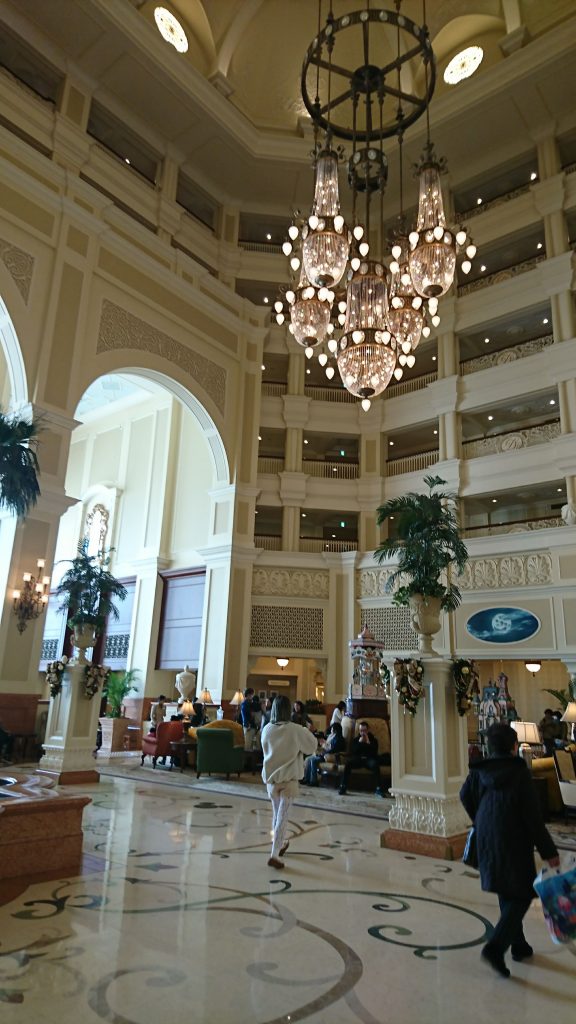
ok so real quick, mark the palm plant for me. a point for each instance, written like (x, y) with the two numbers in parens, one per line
(564, 697)
(19, 468)
(427, 544)
(87, 589)
(119, 685)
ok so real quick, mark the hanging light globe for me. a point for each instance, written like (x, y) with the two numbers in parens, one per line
(310, 311)
(326, 239)
(432, 258)
(367, 355)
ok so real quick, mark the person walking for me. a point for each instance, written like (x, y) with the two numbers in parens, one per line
(247, 719)
(284, 746)
(499, 798)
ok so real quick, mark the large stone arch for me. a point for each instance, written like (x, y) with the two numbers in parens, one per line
(14, 359)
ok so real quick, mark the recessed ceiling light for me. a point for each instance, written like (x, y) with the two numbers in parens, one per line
(539, 246)
(390, 517)
(259, 437)
(483, 267)
(545, 320)
(486, 341)
(305, 440)
(463, 65)
(478, 201)
(170, 29)
(334, 536)
(552, 401)
(303, 515)
(433, 359)
(307, 370)
(269, 236)
(265, 298)
(390, 442)
(533, 176)
(559, 490)
(435, 431)
(490, 417)
(263, 367)
(494, 500)
(127, 161)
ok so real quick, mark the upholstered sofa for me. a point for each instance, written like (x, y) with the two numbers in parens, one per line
(216, 750)
(545, 768)
(333, 767)
(157, 744)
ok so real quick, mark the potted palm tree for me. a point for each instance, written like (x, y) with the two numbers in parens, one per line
(19, 488)
(427, 545)
(113, 725)
(87, 590)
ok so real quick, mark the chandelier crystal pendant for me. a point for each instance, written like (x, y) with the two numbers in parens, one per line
(310, 310)
(367, 355)
(326, 238)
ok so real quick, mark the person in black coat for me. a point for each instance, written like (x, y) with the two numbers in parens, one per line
(364, 754)
(499, 798)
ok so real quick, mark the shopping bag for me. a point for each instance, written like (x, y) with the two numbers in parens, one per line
(470, 855)
(556, 888)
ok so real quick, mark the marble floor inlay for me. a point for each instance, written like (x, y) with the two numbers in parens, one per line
(176, 916)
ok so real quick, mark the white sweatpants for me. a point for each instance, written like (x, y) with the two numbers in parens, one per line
(281, 795)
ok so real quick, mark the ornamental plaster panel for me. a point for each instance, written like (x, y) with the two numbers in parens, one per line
(120, 329)
(431, 815)
(507, 355)
(534, 569)
(372, 582)
(512, 441)
(276, 582)
(20, 266)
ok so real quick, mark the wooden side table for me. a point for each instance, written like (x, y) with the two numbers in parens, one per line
(180, 749)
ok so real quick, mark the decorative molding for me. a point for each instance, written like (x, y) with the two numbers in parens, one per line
(117, 645)
(511, 442)
(293, 629)
(430, 815)
(501, 275)
(372, 582)
(120, 329)
(531, 570)
(20, 266)
(506, 355)
(290, 583)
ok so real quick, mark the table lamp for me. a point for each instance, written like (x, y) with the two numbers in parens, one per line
(205, 696)
(527, 733)
(187, 708)
(569, 716)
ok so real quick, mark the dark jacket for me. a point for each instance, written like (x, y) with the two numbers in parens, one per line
(246, 716)
(364, 749)
(499, 798)
(335, 744)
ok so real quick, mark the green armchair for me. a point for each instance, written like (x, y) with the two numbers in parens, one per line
(216, 752)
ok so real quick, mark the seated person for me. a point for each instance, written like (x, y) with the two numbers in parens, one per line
(364, 755)
(333, 744)
(199, 717)
(300, 717)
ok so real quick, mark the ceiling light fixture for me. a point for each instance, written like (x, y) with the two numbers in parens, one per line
(533, 666)
(170, 29)
(463, 65)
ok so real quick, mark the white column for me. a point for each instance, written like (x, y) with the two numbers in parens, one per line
(71, 732)
(429, 765)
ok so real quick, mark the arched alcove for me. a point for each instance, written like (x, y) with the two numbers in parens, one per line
(11, 363)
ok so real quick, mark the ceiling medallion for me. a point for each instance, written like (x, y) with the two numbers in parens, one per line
(463, 65)
(170, 29)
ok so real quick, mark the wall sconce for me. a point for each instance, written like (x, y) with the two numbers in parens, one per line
(533, 666)
(282, 662)
(31, 600)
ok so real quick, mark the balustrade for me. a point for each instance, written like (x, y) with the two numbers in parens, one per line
(506, 355)
(497, 201)
(511, 441)
(273, 389)
(516, 526)
(312, 544)
(336, 470)
(267, 464)
(411, 463)
(506, 274)
(268, 543)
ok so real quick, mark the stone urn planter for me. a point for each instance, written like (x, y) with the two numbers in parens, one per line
(425, 620)
(84, 638)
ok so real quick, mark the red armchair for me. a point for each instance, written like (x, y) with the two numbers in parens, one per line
(158, 744)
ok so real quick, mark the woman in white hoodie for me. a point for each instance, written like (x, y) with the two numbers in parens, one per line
(284, 745)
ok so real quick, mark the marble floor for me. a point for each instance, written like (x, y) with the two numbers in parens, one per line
(176, 917)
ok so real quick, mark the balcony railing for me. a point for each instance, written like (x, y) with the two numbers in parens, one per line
(272, 389)
(332, 470)
(267, 464)
(326, 394)
(516, 526)
(267, 542)
(311, 544)
(272, 248)
(506, 355)
(498, 201)
(501, 275)
(411, 463)
(512, 440)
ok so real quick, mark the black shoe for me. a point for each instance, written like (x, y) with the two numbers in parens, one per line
(342, 791)
(521, 950)
(496, 961)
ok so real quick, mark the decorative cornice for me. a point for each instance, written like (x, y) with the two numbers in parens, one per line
(531, 570)
(120, 329)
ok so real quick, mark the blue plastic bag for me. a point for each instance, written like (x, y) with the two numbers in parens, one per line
(556, 888)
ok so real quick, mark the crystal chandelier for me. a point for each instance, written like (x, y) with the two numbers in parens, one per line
(326, 239)
(367, 355)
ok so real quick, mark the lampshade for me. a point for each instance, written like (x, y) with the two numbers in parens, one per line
(527, 732)
(570, 713)
(187, 708)
(205, 696)
(533, 666)
(282, 662)
(237, 698)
